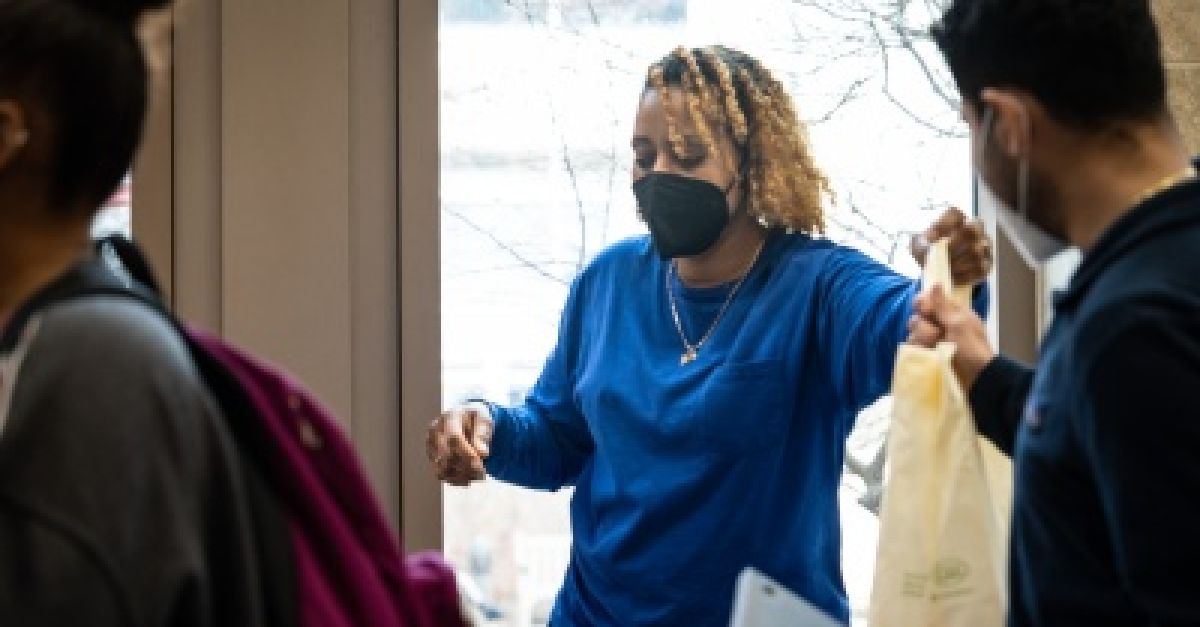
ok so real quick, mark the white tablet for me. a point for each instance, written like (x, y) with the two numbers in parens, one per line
(760, 602)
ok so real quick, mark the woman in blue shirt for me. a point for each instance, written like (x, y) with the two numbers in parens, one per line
(705, 377)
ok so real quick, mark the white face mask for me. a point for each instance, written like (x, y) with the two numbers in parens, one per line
(1035, 245)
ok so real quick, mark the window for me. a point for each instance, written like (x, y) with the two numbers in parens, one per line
(115, 216)
(1053, 277)
(536, 110)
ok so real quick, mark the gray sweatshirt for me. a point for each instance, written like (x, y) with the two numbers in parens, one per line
(122, 499)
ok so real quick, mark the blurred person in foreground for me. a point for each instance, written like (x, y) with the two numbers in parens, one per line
(122, 501)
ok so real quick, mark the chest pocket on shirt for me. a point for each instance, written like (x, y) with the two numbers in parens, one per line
(743, 409)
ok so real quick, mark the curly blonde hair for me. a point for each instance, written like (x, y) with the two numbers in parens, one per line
(731, 91)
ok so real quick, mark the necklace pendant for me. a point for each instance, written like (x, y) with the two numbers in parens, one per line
(688, 357)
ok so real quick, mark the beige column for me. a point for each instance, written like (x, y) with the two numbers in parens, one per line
(153, 169)
(285, 220)
(1179, 22)
(420, 274)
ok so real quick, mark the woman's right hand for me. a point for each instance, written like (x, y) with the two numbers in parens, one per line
(940, 319)
(458, 442)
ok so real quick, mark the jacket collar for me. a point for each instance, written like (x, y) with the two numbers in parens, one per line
(1168, 211)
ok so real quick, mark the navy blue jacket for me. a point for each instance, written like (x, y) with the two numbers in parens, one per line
(1105, 435)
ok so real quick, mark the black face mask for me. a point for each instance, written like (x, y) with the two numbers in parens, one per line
(686, 216)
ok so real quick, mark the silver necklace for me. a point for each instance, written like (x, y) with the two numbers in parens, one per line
(692, 351)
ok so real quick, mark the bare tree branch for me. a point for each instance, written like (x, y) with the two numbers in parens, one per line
(862, 215)
(889, 28)
(908, 37)
(840, 16)
(612, 155)
(523, 8)
(857, 233)
(504, 246)
(568, 266)
(569, 166)
(887, 91)
(849, 96)
(937, 85)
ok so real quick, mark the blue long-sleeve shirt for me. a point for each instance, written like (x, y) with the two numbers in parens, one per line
(685, 474)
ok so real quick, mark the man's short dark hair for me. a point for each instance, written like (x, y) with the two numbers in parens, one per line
(1089, 62)
(82, 63)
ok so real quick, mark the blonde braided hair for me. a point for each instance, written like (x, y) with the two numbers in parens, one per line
(731, 91)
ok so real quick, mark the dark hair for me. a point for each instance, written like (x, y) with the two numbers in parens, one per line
(1089, 62)
(80, 62)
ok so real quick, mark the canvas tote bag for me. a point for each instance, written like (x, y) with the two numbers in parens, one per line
(944, 519)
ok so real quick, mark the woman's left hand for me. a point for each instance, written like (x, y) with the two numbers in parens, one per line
(970, 247)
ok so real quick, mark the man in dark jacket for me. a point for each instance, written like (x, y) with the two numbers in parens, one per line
(1073, 138)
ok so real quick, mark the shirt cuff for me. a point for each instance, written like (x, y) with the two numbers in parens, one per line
(981, 299)
(991, 395)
